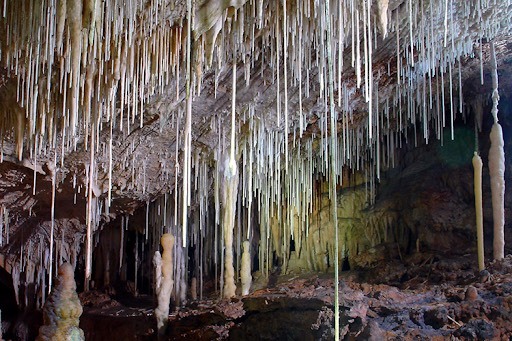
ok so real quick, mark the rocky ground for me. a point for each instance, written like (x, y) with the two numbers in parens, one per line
(422, 297)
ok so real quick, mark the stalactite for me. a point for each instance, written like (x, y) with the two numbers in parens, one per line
(333, 182)
(52, 213)
(90, 203)
(74, 19)
(382, 10)
(188, 124)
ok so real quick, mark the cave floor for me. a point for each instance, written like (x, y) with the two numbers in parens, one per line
(422, 297)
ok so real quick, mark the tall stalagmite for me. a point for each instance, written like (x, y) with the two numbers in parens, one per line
(229, 196)
(62, 311)
(245, 269)
(497, 167)
(164, 281)
(477, 166)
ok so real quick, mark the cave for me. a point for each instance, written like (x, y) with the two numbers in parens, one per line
(255, 170)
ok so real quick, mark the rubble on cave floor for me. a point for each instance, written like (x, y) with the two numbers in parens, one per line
(423, 297)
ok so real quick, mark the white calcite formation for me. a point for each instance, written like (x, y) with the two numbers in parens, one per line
(382, 10)
(245, 270)
(497, 173)
(497, 167)
(477, 169)
(62, 310)
(229, 195)
(164, 281)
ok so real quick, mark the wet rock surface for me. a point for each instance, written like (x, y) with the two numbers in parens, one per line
(432, 298)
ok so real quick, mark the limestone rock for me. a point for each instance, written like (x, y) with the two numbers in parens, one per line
(471, 293)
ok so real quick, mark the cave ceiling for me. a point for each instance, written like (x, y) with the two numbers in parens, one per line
(106, 80)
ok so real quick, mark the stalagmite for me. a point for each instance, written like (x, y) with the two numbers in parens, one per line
(245, 272)
(182, 283)
(164, 281)
(62, 310)
(229, 197)
(497, 167)
(157, 264)
(121, 244)
(136, 263)
(193, 289)
(477, 166)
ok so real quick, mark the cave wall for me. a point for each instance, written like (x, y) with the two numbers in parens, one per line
(425, 203)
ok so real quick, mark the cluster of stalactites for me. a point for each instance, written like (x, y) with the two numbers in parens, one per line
(120, 54)
(82, 66)
(34, 263)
